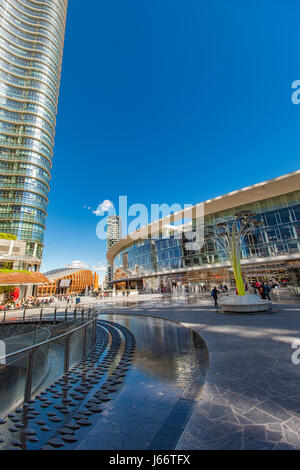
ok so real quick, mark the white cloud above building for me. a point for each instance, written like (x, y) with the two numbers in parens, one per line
(104, 206)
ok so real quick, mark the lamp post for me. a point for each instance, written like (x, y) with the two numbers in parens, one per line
(229, 239)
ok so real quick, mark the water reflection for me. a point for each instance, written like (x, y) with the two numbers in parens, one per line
(167, 374)
(164, 348)
(150, 407)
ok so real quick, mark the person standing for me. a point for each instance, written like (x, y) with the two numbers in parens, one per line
(266, 290)
(214, 294)
(252, 289)
(262, 292)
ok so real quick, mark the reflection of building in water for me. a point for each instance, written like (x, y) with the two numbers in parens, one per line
(270, 252)
(166, 349)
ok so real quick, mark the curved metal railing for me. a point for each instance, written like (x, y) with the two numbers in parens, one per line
(74, 344)
(42, 313)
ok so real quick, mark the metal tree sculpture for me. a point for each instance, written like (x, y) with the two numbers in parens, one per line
(229, 239)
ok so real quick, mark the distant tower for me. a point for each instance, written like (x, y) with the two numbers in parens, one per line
(112, 236)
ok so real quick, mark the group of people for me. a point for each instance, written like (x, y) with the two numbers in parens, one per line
(223, 288)
(61, 297)
(262, 289)
(34, 302)
(30, 302)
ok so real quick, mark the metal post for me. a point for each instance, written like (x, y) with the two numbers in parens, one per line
(84, 342)
(4, 315)
(75, 312)
(28, 380)
(66, 314)
(82, 314)
(41, 315)
(67, 354)
(94, 331)
(55, 316)
(24, 313)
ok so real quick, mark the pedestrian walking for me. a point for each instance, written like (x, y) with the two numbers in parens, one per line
(267, 290)
(214, 294)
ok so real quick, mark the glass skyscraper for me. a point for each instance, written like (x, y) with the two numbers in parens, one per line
(112, 236)
(31, 48)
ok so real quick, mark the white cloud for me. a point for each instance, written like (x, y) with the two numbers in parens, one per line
(99, 267)
(79, 264)
(104, 206)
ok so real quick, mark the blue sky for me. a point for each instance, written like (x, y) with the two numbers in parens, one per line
(168, 101)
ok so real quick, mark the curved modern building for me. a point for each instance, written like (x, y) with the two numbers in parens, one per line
(270, 252)
(66, 281)
(31, 48)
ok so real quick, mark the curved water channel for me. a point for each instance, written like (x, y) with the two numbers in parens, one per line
(161, 389)
(149, 400)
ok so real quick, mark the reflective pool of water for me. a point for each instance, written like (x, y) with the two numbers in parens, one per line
(160, 391)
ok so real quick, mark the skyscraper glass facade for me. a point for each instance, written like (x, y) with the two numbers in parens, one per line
(31, 48)
(112, 236)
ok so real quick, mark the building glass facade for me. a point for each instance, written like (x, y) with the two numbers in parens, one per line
(112, 236)
(279, 235)
(31, 48)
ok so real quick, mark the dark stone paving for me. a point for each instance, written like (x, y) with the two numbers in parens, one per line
(251, 397)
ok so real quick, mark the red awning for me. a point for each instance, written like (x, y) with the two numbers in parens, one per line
(15, 278)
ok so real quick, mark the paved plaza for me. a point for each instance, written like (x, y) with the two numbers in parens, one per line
(251, 395)
(204, 380)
